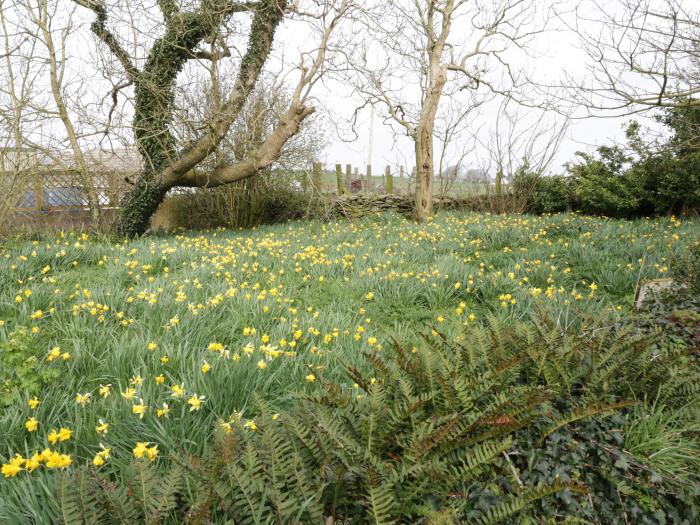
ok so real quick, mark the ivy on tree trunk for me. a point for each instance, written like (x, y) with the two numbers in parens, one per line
(163, 164)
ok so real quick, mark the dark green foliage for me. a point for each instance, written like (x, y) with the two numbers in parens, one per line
(138, 206)
(22, 368)
(542, 194)
(671, 176)
(600, 185)
(675, 312)
(643, 177)
(621, 488)
(410, 441)
(144, 495)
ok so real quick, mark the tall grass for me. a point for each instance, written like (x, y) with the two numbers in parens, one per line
(343, 287)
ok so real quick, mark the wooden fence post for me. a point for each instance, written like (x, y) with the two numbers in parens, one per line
(401, 188)
(339, 179)
(316, 177)
(389, 180)
(369, 178)
(348, 177)
(38, 192)
(113, 183)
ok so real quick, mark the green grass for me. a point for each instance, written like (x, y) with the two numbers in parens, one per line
(342, 285)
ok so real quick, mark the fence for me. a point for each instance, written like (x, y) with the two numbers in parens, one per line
(46, 190)
(350, 180)
(42, 196)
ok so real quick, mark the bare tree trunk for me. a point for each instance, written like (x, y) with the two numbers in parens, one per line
(56, 91)
(423, 207)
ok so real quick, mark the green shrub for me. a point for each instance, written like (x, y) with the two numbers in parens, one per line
(600, 184)
(264, 199)
(543, 194)
(22, 368)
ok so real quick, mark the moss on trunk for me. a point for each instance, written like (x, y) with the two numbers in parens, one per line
(155, 95)
(138, 207)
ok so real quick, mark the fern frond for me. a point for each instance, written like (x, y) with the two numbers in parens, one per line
(582, 413)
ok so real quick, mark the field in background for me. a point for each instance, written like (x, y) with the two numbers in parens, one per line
(164, 338)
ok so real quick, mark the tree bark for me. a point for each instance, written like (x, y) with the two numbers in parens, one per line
(423, 207)
(164, 166)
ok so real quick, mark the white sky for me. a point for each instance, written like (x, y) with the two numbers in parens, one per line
(558, 52)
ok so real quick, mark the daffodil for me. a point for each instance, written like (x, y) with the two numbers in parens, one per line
(140, 449)
(82, 399)
(195, 402)
(13, 467)
(163, 411)
(129, 394)
(64, 434)
(31, 424)
(105, 390)
(139, 409)
(215, 347)
(56, 460)
(102, 427)
(177, 391)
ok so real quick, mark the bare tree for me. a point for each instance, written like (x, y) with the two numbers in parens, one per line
(644, 54)
(185, 31)
(39, 26)
(447, 48)
(14, 108)
(453, 127)
(41, 99)
(521, 142)
(198, 102)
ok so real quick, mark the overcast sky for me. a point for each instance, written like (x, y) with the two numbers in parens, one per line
(558, 51)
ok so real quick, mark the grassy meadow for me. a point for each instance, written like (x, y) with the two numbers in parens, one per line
(115, 350)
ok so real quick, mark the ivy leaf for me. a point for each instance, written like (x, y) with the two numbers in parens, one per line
(622, 463)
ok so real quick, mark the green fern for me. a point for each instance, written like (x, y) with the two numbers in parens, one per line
(501, 512)
(78, 499)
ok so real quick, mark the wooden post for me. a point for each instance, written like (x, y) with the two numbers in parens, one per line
(348, 177)
(316, 177)
(39, 191)
(113, 182)
(339, 179)
(369, 178)
(401, 180)
(389, 180)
